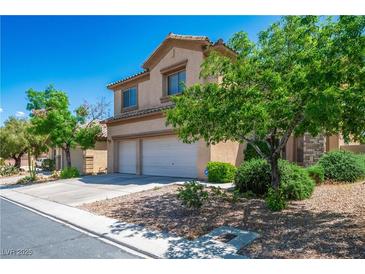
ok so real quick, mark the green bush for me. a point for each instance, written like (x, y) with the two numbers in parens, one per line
(295, 181)
(250, 153)
(254, 175)
(7, 170)
(316, 172)
(192, 194)
(275, 200)
(342, 166)
(48, 164)
(219, 172)
(27, 180)
(360, 158)
(69, 172)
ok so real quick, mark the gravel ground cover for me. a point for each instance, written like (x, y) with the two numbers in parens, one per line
(331, 224)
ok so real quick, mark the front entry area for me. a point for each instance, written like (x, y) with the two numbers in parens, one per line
(159, 156)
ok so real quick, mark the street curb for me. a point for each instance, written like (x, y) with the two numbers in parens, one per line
(152, 256)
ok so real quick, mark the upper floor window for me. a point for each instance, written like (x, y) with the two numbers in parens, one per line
(130, 97)
(175, 82)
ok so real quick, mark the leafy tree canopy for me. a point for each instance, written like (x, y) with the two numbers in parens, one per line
(304, 74)
(51, 115)
(13, 141)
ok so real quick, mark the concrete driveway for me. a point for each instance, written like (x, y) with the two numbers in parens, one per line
(87, 189)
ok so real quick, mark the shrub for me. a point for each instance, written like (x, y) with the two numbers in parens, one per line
(360, 158)
(27, 180)
(342, 166)
(7, 170)
(250, 153)
(316, 172)
(69, 172)
(221, 172)
(275, 200)
(254, 175)
(192, 194)
(295, 181)
(48, 164)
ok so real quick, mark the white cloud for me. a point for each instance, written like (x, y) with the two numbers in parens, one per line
(19, 114)
(1, 110)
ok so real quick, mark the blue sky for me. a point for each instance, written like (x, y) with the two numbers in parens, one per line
(81, 54)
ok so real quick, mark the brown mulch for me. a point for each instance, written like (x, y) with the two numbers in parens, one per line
(331, 224)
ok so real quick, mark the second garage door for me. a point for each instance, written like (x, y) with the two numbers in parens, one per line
(167, 156)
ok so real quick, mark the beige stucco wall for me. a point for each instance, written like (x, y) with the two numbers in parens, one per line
(354, 148)
(99, 160)
(99, 154)
(332, 142)
(150, 91)
(77, 159)
(157, 124)
(228, 152)
(289, 149)
(100, 145)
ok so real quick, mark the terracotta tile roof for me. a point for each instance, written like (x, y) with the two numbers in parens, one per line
(171, 35)
(220, 42)
(127, 78)
(187, 37)
(136, 113)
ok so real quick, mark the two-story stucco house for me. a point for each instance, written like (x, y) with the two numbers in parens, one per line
(139, 142)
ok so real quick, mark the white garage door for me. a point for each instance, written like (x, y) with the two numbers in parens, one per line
(127, 156)
(167, 156)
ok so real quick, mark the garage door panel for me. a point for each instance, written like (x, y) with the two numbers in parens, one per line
(167, 156)
(128, 157)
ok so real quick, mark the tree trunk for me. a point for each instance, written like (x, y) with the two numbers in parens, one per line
(31, 167)
(68, 156)
(17, 161)
(275, 179)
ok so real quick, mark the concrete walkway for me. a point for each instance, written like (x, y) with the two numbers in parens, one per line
(151, 243)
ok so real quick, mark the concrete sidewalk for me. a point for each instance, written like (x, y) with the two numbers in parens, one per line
(152, 243)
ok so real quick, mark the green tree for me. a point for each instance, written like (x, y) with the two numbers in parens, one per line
(304, 74)
(13, 142)
(36, 145)
(17, 138)
(50, 115)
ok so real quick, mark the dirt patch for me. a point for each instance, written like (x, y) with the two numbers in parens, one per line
(331, 224)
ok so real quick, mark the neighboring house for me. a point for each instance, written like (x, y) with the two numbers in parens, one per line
(139, 142)
(88, 161)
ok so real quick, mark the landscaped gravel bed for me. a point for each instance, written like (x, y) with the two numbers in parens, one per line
(331, 224)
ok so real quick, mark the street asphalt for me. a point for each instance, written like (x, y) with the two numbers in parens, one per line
(25, 234)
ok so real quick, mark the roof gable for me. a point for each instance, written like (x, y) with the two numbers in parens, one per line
(184, 41)
(199, 43)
